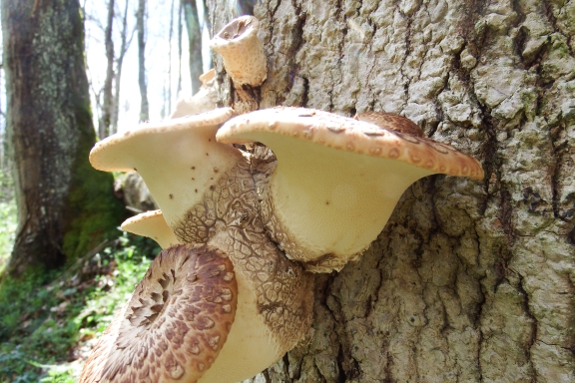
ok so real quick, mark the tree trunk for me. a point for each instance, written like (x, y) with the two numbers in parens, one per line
(124, 43)
(469, 281)
(140, 25)
(180, 33)
(171, 35)
(105, 121)
(64, 206)
(194, 42)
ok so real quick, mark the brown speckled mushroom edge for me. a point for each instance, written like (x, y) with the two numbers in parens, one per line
(114, 152)
(175, 323)
(348, 134)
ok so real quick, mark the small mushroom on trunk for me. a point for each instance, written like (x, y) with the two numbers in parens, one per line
(337, 180)
(242, 51)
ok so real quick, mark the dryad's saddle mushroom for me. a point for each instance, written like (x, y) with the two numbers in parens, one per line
(337, 180)
(230, 292)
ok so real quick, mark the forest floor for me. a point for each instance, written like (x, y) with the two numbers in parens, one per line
(49, 323)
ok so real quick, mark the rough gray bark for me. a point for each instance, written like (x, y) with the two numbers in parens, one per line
(469, 281)
(105, 121)
(64, 206)
(194, 42)
(141, 27)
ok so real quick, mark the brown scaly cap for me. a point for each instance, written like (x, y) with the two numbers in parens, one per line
(347, 134)
(175, 324)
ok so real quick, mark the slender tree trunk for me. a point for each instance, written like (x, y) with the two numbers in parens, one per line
(194, 42)
(105, 121)
(180, 33)
(124, 43)
(141, 15)
(469, 281)
(171, 34)
(208, 26)
(64, 206)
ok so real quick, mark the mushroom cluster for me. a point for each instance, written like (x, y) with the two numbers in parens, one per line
(250, 205)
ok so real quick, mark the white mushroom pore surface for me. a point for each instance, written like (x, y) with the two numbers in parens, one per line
(243, 53)
(337, 179)
(207, 196)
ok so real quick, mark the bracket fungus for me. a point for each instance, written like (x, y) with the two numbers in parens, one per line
(207, 197)
(242, 51)
(337, 179)
(229, 294)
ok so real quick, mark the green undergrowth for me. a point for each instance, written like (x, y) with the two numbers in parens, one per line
(48, 322)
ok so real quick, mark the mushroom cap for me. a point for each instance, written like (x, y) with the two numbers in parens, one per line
(242, 51)
(337, 180)
(175, 323)
(389, 140)
(178, 159)
(153, 225)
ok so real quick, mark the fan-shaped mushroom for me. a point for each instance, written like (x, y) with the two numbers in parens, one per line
(337, 180)
(178, 159)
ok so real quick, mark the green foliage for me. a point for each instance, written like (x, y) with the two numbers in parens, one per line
(43, 325)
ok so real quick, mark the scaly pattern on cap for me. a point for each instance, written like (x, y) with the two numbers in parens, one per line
(175, 324)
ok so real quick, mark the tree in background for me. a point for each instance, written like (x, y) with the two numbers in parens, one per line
(124, 44)
(194, 42)
(108, 104)
(64, 206)
(141, 27)
(469, 281)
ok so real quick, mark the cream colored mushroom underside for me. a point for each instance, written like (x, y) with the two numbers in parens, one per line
(153, 225)
(178, 166)
(333, 201)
